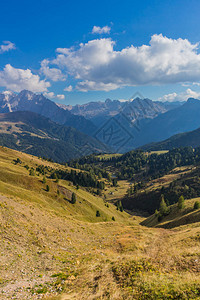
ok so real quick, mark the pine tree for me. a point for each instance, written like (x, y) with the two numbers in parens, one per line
(56, 178)
(181, 202)
(109, 177)
(73, 199)
(129, 192)
(44, 180)
(100, 175)
(119, 206)
(47, 188)
(114, 182)
(163, 206)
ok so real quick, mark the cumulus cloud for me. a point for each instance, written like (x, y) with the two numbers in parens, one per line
(181, 96)
(68, 88)
(163, 61)
(51, 73)
(7, 46)
(19, 79)
(61, 97)
(86, 85)
(101, 30)
(51, 95)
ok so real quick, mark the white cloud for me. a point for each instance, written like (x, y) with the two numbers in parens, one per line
(101, 30)
(51, 73)
(97, 65)
(7, 45)
(61, 97)
(68, 88)
(181, 96)
(19, 79)
(51, 95)
(86, 85)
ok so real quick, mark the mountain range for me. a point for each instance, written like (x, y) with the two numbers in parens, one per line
(28, 101)
(133, 118)
(101, 111)
(179, 120)
(140, 121)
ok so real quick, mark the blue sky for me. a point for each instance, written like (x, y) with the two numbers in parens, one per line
(145, 46)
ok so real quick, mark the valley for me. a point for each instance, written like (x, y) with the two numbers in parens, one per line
(54, 249)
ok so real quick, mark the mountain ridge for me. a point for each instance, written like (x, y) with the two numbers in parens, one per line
(38, 135)
(28, 101)
(191, 138)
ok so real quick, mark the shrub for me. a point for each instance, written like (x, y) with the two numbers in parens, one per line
(31, 172)
(97, 213)
(197, 205)
(47, 188)
(17, 161)
(113, 218)
(44, 180)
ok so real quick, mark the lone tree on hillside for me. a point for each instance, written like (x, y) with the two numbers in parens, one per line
(114, 181)
(181, 202)
(163, 206)
(97, 213)
(56, 178)
(73, 199)
(119, 206)
(47, 188)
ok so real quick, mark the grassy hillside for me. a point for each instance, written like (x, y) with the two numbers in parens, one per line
(176, 217)
(16, 181)
(53, 249)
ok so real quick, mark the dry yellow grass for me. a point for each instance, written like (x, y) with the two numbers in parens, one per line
(53, 250)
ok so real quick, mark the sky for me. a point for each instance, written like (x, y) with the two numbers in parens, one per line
(80, 51)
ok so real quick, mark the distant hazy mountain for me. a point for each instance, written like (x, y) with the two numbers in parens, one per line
(191, 138)
(28, 101)
(139, 109)
(129, 118)
(179, 120)
(34, 134)
(99, 112)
